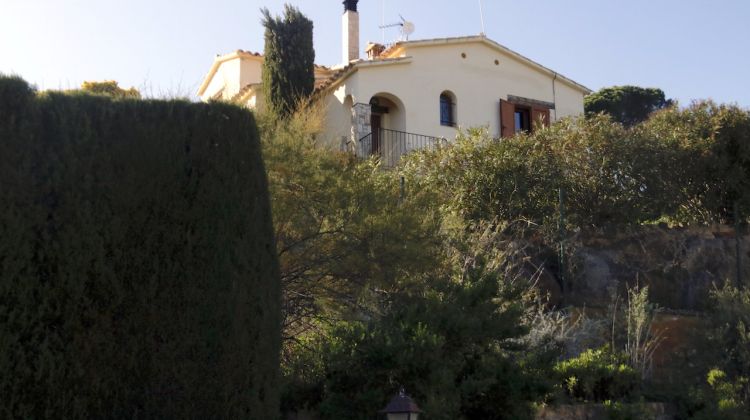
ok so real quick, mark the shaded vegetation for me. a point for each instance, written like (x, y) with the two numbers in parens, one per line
(422, 276)
(110, 88)
(137, 272)
(628, 105)
(289, 60)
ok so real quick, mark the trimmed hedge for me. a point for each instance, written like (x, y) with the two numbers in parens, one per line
(138, 273)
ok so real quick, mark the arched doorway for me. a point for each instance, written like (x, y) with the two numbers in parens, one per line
(387, 123)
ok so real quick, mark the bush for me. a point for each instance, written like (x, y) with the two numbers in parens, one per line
(343, 227)
(729, 339)
(628, 105)
(137, 269)
(683, 166)
(597, 375)
(610, 175)
(454, 341)
(706, 159)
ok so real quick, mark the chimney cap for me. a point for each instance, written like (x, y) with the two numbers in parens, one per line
(350, 5)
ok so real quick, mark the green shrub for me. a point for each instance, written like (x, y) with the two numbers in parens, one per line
(686, 166)
(628, 105)
(611, 175)
(453, 343)
(342, 225)
(729, 379)
(705, 160)
(138, 277)
(597, 375)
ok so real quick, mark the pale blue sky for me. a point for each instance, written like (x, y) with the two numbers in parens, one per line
(690, 48)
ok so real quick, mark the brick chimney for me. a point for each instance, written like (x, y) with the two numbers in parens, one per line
(350, 34)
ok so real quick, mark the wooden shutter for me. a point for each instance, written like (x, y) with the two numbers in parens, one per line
(507, 119)
(540, 116)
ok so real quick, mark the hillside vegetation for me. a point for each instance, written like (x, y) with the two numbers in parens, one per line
(424, 277)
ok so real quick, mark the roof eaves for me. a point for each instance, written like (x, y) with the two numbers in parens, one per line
(344, 72)
(242, 95)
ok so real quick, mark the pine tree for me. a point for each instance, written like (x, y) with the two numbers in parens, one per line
(288, 70)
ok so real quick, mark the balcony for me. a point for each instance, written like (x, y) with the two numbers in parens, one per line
(390, 145)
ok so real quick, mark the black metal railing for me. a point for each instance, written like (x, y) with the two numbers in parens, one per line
(390, 145)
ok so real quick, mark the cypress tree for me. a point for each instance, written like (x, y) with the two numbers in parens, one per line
(288, 70)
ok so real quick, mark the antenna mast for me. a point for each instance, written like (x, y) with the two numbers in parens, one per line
(407, 28)
(382, 21)
(481, 16)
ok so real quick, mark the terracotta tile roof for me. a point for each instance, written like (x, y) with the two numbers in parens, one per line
(391, 48)
(244, 91)
(335, 75)
(253, 53)
(257, 54)
(324, 76)
(345, 71)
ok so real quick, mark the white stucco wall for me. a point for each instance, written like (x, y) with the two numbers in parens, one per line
(476, 81)
(338, 112)
(235, 70)
(250, 72)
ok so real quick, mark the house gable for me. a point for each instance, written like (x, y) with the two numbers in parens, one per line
(411, 48)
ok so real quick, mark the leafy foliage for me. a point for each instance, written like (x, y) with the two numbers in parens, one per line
(452, 343)
(288, 68)
(731, 397)
(598, 375)
(387, 286)
(731, 335)
(610, 175)
(706, 157)
(137, 272)
(343, 228)
(628, 105)
(684, 166)
(640, 341)
(110, 88)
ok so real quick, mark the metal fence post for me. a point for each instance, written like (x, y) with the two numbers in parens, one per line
(738, 242)
(561, 233)
(402, 187)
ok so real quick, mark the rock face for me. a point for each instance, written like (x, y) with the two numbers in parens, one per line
(680, 266)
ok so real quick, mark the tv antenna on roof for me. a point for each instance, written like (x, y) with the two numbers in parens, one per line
(481, 16)
(407, 28)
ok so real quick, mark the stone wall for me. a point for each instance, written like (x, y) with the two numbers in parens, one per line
(361, 118)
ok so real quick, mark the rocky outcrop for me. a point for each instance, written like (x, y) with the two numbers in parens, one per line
(680, 266)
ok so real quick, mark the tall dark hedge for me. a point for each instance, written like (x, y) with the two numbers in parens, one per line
(289, 65)
(138, 276)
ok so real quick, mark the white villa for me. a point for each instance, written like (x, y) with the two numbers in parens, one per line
(413, 93)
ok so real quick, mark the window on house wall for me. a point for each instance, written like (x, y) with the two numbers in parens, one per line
(523, 115)
(447, 109)
(522, 118)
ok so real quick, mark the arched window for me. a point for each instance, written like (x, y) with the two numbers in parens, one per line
(447, 109)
